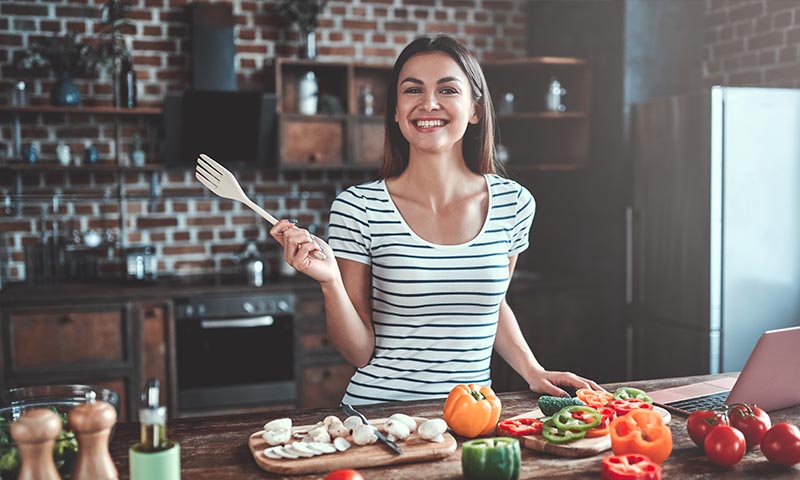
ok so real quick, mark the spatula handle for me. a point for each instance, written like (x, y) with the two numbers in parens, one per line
(266, 216)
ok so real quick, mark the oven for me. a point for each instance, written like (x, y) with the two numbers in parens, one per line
(234, 350)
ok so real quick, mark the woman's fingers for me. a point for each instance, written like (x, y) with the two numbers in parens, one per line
(277, 231)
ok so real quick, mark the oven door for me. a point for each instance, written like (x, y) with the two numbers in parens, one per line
(235, 361)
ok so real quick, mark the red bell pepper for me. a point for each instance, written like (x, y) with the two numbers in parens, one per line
(630, 467)
(520, 426)
(626, 406)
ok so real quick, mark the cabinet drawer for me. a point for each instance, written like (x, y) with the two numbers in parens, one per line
(41, 338)
(312, 142)
(324, 386)
(315, 343)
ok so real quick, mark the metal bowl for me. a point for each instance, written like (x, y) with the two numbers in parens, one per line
(59, 398)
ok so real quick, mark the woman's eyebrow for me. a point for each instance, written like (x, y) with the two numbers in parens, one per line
(440, 81)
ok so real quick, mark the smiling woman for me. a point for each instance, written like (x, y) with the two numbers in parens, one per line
(423, 256)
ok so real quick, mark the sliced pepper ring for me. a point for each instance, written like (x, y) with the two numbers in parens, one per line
(630, 467)
(553, 434)
(594, 398)
(627, 393)
(564, 419)
(520, 426)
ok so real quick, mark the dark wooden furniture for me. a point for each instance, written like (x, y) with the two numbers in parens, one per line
(538, 139)
(341, 134)
(216, 447)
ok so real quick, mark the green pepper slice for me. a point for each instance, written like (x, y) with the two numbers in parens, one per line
(491, 459)
(627, 393)
(553, 434)
(565, 421)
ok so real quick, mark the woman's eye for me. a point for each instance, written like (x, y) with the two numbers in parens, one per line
(449, 91)
(412, 90)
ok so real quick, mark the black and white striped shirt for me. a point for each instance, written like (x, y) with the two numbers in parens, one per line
(434, 307)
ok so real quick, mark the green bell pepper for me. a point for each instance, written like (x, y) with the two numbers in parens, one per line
(627, 393)
(565, 421)
(553, 434)
(491, 459)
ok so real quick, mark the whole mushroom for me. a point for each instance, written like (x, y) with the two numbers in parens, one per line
(433, 430)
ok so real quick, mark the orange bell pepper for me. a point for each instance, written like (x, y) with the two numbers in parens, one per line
(641, 431)
(472, 410)
(594, 398)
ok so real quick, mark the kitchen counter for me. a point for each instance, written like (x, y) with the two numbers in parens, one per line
(120, 290)
(216, 447)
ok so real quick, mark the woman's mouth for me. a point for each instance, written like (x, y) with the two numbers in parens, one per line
(429, 124)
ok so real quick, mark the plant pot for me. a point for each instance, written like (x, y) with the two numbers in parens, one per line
(64, 92)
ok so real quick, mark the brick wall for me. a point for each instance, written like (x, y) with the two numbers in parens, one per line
(192, 232)
(752, 43)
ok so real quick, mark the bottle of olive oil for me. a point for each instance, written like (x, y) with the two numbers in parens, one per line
(154, 456)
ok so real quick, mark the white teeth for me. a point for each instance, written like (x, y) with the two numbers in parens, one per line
(429, 123)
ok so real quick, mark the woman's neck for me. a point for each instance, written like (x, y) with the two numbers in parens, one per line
(436, 179)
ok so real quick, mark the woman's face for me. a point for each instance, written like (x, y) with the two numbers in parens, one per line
(434, 102)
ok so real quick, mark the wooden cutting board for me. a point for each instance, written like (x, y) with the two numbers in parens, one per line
(414, 449)
(585, 447)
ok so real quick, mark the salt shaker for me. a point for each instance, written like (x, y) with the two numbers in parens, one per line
(35, 433)
(92, 423)
(307, 94)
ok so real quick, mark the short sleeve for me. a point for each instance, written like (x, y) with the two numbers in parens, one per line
(348, 229)
(523, 219)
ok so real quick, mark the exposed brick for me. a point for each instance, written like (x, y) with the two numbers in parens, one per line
(184, 250)
(728, 48)
(782, 19)
(156, 222)
(15, 226)
(762, 41)
(18, 9)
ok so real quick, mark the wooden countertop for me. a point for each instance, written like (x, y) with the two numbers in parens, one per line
(216, 447)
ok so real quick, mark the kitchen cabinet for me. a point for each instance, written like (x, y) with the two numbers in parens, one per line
(71, 343)
(533, 137)
(347, 130)
(322, 374)
(115, 345)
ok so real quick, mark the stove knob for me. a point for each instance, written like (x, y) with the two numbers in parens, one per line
(201, 310)
(189, 311)
(249, 308)
(283, 306)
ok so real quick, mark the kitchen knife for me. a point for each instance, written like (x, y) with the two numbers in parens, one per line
(349, 410)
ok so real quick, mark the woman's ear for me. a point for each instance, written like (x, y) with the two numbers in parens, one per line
(477, 113)
(396, 120)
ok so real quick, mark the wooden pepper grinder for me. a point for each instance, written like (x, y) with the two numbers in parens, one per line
(92, 422)
(35, 433)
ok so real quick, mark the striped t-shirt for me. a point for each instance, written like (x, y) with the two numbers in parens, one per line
(434, 307)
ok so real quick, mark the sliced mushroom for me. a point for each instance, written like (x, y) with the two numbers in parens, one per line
(319, 434)
(322, 447)
(301, 450)
(433, 430)
(341, 444)
(277, 437)
(283, 452)
(407, 421)
(270, 453)
(364, 435)
(335, 427)
(396, 430)
(279, 424)
(351, 423)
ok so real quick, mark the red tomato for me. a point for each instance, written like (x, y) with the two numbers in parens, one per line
(781, 444)
(344, 475)
(725, 445)
(701, 422)
(751, 421)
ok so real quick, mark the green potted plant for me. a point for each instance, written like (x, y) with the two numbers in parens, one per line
(67, 58)
(113, 54)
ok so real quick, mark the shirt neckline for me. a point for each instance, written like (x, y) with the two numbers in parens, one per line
(440, 245)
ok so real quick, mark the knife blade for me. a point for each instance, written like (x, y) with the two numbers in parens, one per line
(349, 410)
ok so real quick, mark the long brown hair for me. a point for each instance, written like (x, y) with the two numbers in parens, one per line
(478, 144)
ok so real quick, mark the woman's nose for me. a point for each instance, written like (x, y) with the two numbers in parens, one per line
(430, 102)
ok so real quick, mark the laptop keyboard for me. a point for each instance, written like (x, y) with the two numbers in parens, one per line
(706, 402)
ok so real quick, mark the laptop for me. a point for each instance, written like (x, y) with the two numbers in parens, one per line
(770, 379)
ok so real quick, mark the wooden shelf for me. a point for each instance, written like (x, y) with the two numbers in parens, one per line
(82, 110)
(510, 62)
(45, 167)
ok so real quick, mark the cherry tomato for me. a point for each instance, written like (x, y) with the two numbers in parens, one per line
(752, 421)
(344, 475)
(701, 422)
(725, 445)
(781, 444)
